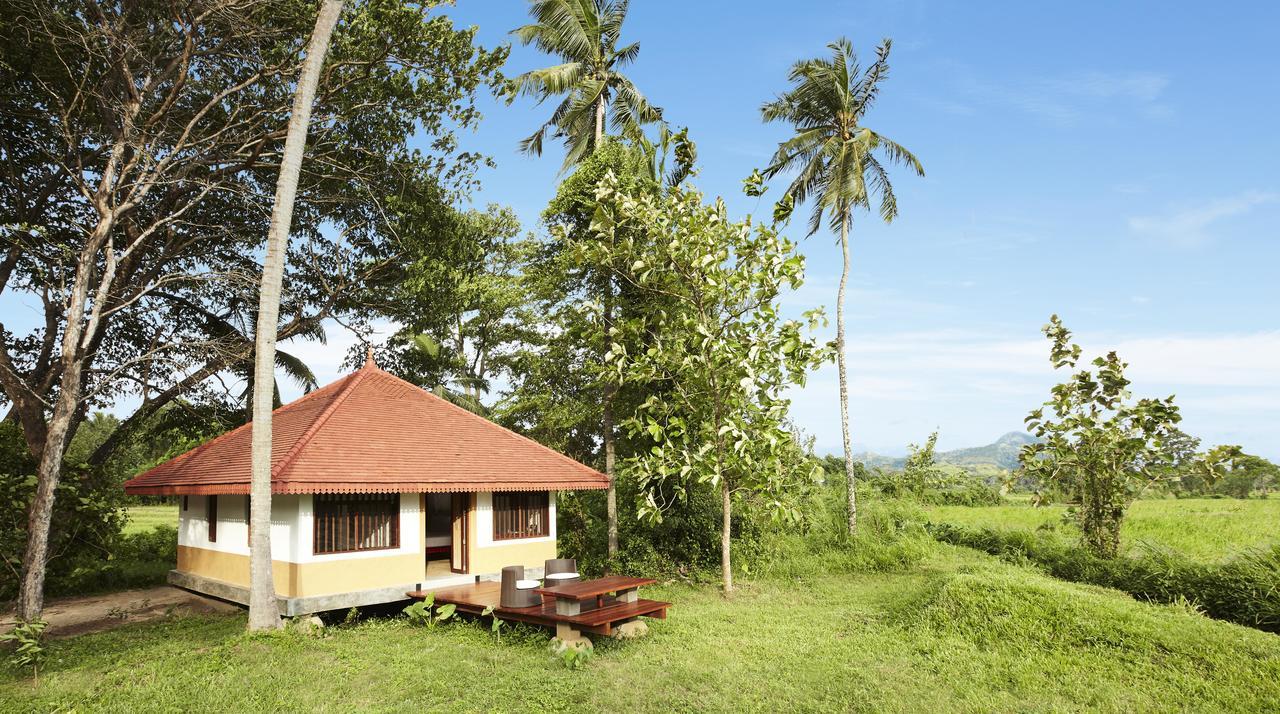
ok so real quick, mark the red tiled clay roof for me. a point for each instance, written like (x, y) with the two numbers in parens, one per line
(372, 432)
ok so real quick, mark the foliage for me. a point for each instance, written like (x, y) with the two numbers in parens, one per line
(1244, 589)
(1245, 475)
(717, 349)
(424, 613)
(585, 35)
(463, 306)
(559, 374)
(890, 538)
(495, 624)
(137, 559)
(573, 658)
(840, 162)
(28, 651)
(1098, 445)
(86, 520)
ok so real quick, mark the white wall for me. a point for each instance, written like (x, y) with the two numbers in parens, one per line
(410, 533)
(292, 527)
(484, 523)
(233, 525)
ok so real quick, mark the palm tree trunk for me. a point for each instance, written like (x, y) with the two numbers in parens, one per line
(606, 406)
(849, 473)
(263, 614)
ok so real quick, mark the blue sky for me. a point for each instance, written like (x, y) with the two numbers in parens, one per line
(1111, 162)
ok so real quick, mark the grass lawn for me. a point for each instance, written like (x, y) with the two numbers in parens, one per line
(1205, 528)
(962, 632)
(145, 518)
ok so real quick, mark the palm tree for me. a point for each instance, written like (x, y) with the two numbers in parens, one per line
(263, 614)
(841, 165)
(585, 34)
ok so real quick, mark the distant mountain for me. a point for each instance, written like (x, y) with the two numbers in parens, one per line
(1002, 453)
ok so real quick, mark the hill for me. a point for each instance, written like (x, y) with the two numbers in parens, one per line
(1002, 454)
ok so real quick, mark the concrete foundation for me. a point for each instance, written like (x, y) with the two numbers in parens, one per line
(294, 606)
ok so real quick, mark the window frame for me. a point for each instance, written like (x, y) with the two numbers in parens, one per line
(319, 532)
(518, 503)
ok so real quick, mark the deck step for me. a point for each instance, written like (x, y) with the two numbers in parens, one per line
(619, 611)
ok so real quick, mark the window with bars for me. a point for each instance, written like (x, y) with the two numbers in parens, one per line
(520, 515)
(346, 523)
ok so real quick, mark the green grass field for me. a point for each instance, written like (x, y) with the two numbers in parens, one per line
(1206, 528)
(145, 518)
(962, 632)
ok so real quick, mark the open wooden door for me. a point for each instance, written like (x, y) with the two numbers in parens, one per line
(459, 560)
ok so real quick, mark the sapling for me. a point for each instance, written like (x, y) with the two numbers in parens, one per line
(28, 651)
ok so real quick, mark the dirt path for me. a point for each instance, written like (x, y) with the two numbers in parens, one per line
(94, 613)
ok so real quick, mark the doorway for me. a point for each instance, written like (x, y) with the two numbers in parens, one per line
(438, 509)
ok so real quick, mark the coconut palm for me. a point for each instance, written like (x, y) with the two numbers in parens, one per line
(840, 164)
(263, 614)
(584, 33)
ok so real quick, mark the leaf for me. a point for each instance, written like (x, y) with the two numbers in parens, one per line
(427, 345)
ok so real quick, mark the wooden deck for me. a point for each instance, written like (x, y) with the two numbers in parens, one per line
(596, 617)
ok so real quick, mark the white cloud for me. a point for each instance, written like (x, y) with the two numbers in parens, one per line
(1066, 100)
(974, 386)
(1189, 226)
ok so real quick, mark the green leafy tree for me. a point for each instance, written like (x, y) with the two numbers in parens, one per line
(921, 471)
(147, 139)
(718, 347)
(585, 34)
(1099, 445)
(839, 164)
(564, 396)
(1246, 474)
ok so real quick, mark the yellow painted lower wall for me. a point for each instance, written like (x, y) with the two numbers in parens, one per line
(307, 579)
(494, 558)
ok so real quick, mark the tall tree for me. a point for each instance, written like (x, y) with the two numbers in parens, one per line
(585, 34)
(263, 614)
(840, 164)
(718, 350)
(139, 145)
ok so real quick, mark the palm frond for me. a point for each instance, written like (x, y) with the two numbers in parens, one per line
(585, 33)
(840, 164)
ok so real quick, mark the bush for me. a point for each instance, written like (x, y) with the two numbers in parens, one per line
(1244, 589)
(970, 494)
(133, 560)
(891, 537)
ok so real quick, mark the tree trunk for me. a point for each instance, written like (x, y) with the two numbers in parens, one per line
(263, 614)
(40, 516)
(606, 406)
(849, 473)
(726, 567)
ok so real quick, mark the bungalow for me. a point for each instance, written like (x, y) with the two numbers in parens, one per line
(378, 487)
